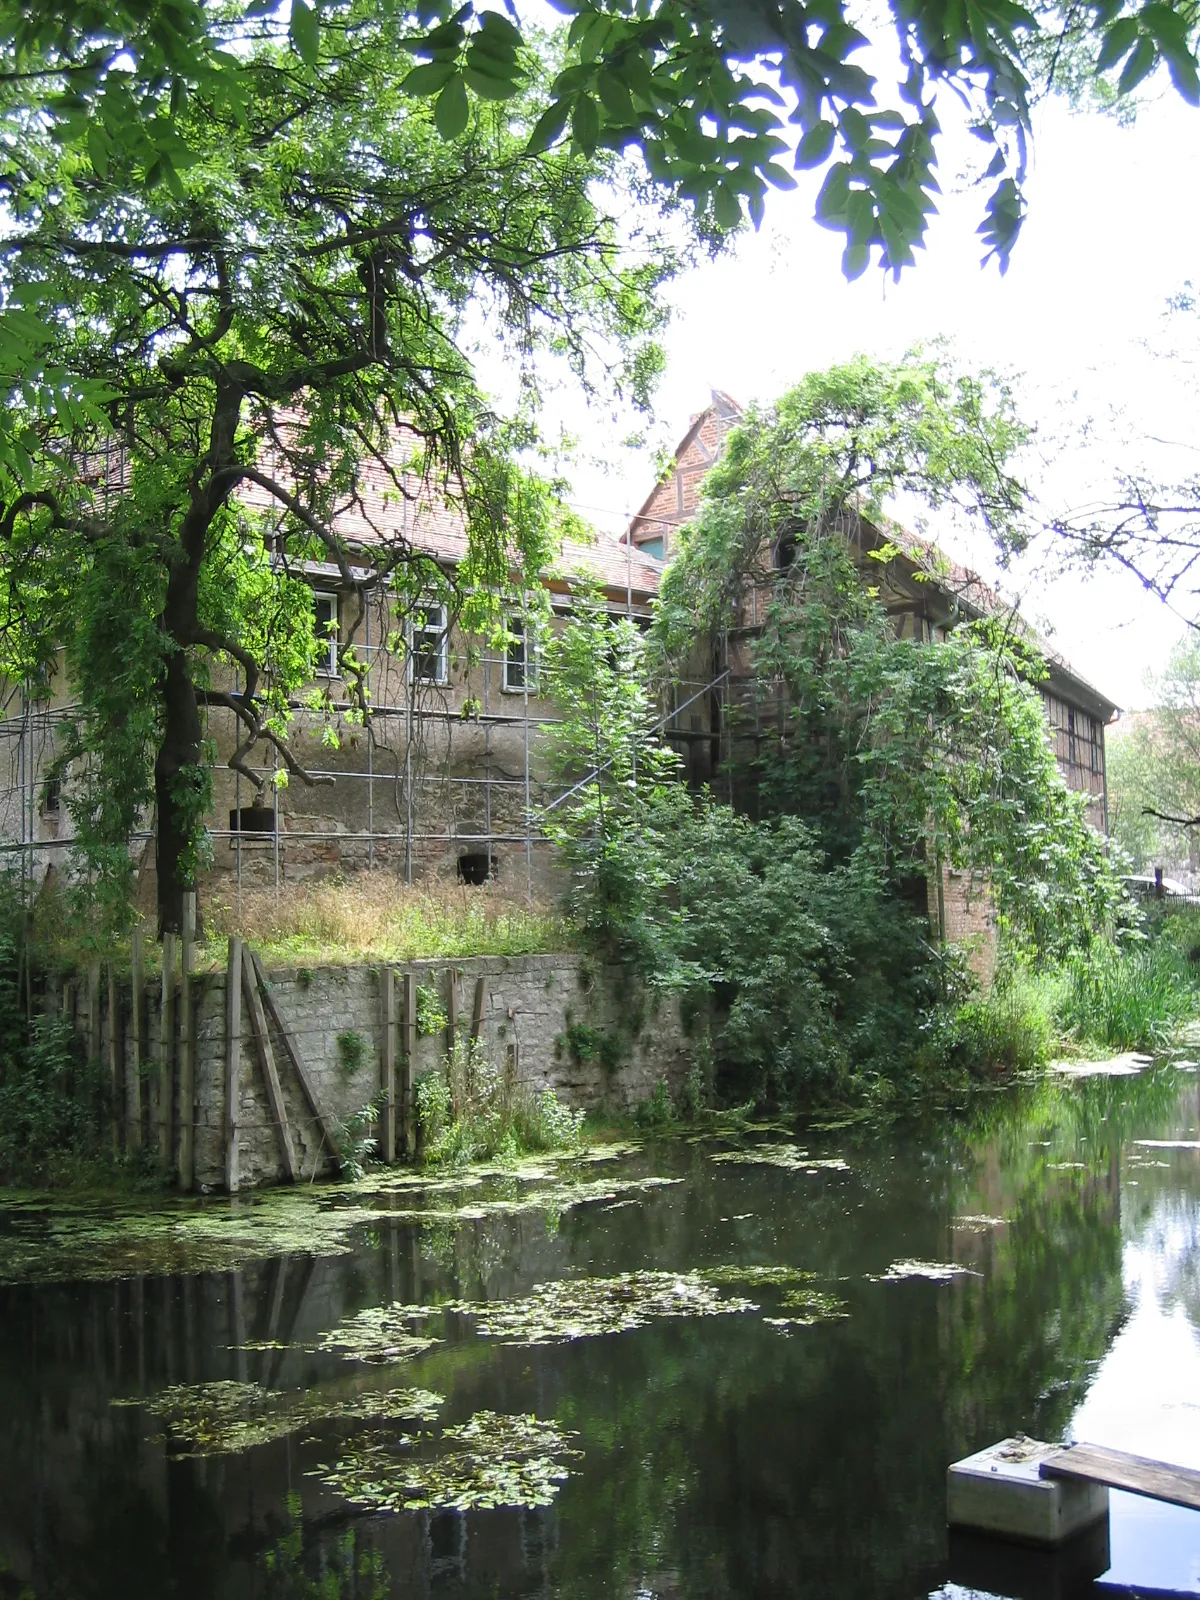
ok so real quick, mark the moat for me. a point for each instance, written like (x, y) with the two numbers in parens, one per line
(727, 1366)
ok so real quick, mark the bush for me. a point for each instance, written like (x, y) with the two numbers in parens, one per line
(1013, 1026)
(468, 1110)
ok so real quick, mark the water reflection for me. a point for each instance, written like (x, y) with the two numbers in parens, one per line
(733, 1455)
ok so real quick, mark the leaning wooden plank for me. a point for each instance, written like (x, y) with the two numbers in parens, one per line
(1159, 1480)
(320, 1111)
(266, 1057)
(408, 1073)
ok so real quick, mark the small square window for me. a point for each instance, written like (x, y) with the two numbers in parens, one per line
(52, 797)
(428, 647)
(520, 658)
(326, 629)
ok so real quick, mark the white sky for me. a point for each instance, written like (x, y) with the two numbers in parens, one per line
(1113, 230)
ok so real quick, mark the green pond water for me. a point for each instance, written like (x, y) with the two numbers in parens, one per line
(717, 1367)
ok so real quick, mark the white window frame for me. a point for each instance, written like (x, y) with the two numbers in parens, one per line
(520, 626)
(441, 628)
(327, 662)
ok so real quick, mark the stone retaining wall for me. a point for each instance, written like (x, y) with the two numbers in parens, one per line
(596, 1037)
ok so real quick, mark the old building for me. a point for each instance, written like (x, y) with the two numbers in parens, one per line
(449, 775)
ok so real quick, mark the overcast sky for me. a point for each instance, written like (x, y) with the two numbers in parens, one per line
(1113, 231)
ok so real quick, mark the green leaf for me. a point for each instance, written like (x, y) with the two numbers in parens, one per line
(429, 78)
(830, 210)
(1140, 64)
(1118, 41)
(856, 258)
(816, 145)
(497, 24)
(548, 127)
(451, 110)
(304, 30)
(486, 84)
(614, 96)
(779, 176)
(99, 144)
(727, 207)
(585, 124)
(1183, 75)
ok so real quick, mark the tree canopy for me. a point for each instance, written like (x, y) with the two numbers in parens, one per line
(296, 301)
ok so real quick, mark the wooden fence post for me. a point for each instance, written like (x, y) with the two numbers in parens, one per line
(408, 1069)
(387, 1119)
(93, 1011)
(233, 1060)
(133, 1135)
(187, 1054)
(452, 1011)
(114, 1076)
(477, 1009)
(166, 1052)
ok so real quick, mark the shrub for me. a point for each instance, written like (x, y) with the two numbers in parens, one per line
(1013, 1026)
(469, 1110)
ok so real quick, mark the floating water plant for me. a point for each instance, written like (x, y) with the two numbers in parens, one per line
(755, 1275)
(934, 1271)
(381, 1334)
(226, 1417)
(585, 1308)
(789, 1156)
(489, 1461)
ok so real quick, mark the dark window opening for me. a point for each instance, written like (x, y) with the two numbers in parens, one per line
(252, 819)
(429, 655)
(520, 658)
(52, 797)
(785, 552)
(476, 867)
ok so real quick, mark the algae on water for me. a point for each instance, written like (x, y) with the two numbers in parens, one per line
(488, 1461)
(788, 1156)
(226, 1417)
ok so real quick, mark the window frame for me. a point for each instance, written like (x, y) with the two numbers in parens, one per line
(517, 625)
(328, 665)
(427, 628)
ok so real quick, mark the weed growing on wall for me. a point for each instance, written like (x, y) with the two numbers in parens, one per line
(468, 1110)
(431, 1014)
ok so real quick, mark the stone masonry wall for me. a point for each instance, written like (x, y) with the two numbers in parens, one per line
(597, 1038)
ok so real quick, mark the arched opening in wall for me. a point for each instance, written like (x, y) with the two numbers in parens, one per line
(476, 867)
(784, 554)
(252, 819)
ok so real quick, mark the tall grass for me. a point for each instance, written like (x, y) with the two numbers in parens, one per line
(1134, 998)
(469, 1110)
(373, 916)
(1012, 1026)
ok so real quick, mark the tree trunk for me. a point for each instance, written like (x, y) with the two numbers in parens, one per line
(178, 751)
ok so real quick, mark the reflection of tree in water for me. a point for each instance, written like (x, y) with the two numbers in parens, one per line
(302, 1566)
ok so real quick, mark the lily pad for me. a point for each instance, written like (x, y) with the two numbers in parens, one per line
(788, 1156)
(489, 1461)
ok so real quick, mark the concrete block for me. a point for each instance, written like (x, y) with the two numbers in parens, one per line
(998, 1491)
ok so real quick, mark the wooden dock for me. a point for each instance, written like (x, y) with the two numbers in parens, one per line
(1158, 1480)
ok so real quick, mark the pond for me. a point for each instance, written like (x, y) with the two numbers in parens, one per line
(730, 1366)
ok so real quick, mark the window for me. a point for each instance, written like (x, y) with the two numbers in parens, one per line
(652, 547)
(520, 658)
(252, 819)
(52, 797)
(476, 867)
(428, 653)
(326, 630)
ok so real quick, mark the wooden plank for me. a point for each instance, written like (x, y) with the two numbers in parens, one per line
(114, 1058)
(452, 1010)
(1158, 1480)
(387, 1118)
(233, 1060)
(137, 1042)
(266, 1060)
(187, 1048)
(166, 1052)
(312, 1094)
(477, 1009)
(408, 1066)
(93, 1011)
